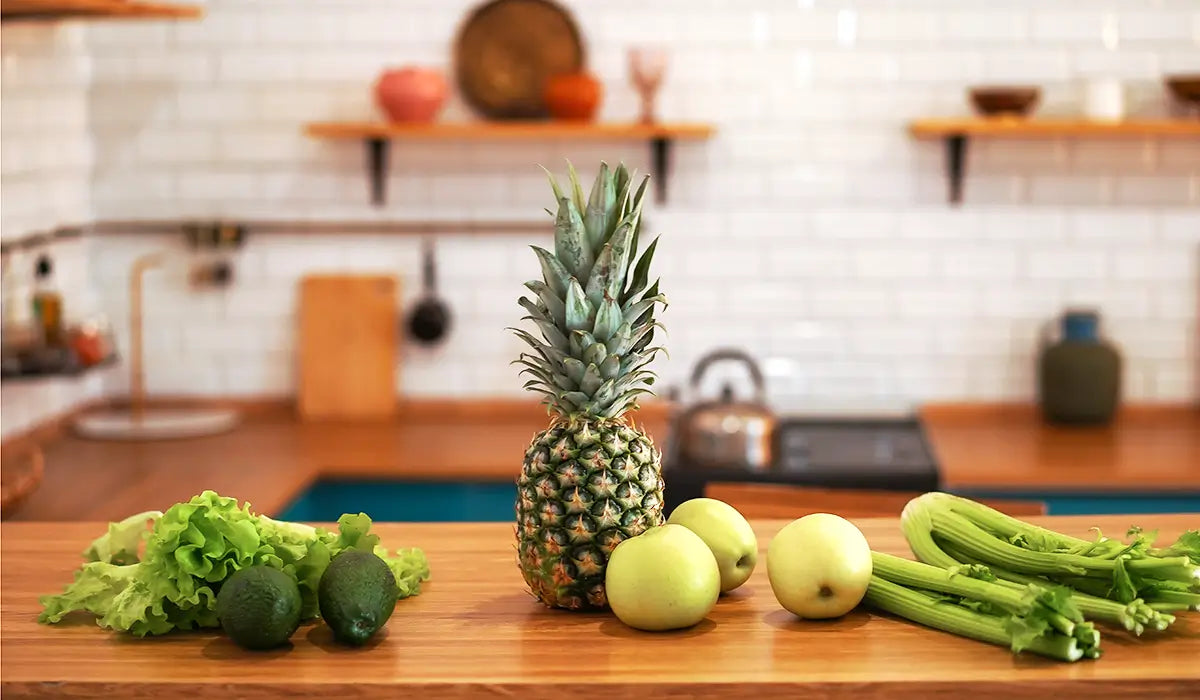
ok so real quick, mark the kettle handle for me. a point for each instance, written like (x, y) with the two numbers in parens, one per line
(760, 385)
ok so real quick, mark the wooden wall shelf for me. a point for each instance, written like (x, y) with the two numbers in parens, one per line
(378, 137)
(955, 132)
(96, 9)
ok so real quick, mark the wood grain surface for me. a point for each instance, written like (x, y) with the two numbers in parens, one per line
(506, 131)
(1031, 128)
(348, 347)
(126, 9)
(474, 632)
(1008, 446)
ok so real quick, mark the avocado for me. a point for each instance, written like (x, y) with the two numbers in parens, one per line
(259, 607)
(357, 594)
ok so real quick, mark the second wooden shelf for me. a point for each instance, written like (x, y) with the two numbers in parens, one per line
(1000, 127)
(956, 131)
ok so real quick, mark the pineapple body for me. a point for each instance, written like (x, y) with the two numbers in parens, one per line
(587, 484)
(591, 479)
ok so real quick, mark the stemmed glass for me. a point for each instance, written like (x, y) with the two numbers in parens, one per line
(647, 66)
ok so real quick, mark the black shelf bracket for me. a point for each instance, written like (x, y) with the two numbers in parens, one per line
(377, 168)
(956, 165)
(660, 151)
(379, 152)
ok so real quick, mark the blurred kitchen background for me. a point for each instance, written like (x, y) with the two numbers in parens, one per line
(811, 228)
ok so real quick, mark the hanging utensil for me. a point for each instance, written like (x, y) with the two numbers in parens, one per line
(430, 318)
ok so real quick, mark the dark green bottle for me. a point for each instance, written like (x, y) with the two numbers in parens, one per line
(1079, 376)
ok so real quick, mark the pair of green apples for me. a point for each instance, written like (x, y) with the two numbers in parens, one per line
(671, 576)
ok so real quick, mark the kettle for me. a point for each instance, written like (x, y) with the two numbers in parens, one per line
(726, 433)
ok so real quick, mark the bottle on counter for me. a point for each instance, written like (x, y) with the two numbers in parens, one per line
(1079, 374)
(18, 305)
(47, 303)
(17, 333)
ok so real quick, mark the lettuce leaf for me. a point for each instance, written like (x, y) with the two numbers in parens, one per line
(192, 548)
(123, 541)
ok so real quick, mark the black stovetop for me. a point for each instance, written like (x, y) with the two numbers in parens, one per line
(887, 454)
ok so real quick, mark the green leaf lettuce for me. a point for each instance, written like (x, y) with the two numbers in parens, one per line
(192, 548)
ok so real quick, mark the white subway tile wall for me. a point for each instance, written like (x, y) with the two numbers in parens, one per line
(45, 71)
(45, 169)
(811, 230)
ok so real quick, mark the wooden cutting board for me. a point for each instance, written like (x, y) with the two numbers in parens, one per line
(349, 346)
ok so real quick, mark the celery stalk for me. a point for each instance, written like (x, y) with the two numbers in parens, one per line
(1136, 616)
(917, 607)
(924, 522)
(917, 526)
(1164, 608)
(973, 540)
(1034, 609)
(995, 521)
(1018, 601)
(1191, 600)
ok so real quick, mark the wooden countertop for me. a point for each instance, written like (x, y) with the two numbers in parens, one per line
(272, 458)
(469, 635)
(1008, 447)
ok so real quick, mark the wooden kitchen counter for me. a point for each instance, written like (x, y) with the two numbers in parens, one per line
(1009, 447)
(474, 632)
(272, 458)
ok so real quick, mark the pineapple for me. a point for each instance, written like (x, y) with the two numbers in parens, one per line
(592, 479)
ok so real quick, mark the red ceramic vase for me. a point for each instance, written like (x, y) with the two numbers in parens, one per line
(573, 96)
(411, 94)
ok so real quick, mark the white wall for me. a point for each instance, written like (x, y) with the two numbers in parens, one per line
(44, 120)
(812, 230)
(45, 183)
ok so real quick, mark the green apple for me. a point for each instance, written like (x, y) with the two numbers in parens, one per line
(726, 533)
(665, 578)
(819, 566)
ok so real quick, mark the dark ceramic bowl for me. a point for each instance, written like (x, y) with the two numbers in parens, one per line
(1011, 101)
(1185, 88)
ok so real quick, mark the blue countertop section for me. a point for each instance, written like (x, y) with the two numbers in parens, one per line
(425, 501)
(1099, 502)
(406, 501)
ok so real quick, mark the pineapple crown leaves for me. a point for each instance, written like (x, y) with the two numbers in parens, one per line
(594, 305)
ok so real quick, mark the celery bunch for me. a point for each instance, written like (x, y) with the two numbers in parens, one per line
(1132, 584)
(967, 600)
(987, 576)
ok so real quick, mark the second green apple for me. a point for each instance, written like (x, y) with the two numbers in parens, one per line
(663, 579)
(726, 533)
